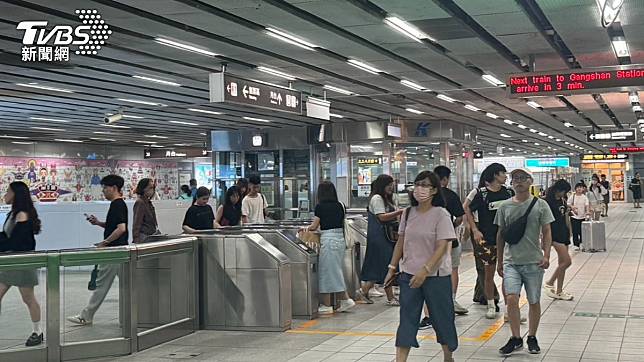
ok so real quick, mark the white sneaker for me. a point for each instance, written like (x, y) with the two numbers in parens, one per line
(345, 305)
(77, 319)
(547, 286)
(575, 248)
(491, 312)
(375, 292)
(323, 309)
(506, 319)
(551, 293)
(562, 296)
(459, 309)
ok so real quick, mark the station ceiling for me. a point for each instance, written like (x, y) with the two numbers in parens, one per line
(465, 39)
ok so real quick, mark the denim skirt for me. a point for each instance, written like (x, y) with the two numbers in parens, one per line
(332, 249)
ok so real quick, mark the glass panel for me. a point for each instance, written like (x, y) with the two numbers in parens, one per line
(90, 315)
(227, 171)
(165, 290)
(17, 316)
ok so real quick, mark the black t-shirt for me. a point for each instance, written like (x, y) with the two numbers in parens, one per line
(117, 214)
(560, 232)
(199, 217)
(331, 215)
(606, 185)
(486, 206)
(454, 207)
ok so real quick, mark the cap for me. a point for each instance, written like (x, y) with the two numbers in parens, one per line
(520, 171)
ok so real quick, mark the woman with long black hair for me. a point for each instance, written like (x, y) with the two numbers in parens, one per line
(382, 223)
(17, 235)
(561, 234)
(229, 213)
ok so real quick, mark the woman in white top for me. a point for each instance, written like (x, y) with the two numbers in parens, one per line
(595, 195)
(580, 210)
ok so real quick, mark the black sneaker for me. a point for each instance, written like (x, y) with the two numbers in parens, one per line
(533, 346)
(426, 323)
(514, 344)
(34, 340)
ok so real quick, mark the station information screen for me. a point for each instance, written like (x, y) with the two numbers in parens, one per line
(577, 81)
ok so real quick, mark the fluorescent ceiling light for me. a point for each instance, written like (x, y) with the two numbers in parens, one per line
(620, 47)
(67, 140)
(568, 124)
(291, 39)
(366, 67)
(507, 121)
(276, 73)
(338, 90)
(127, 116)
(524, 141)
(204, 111)
(542, 134)
(558, 140)
(48, 129)
(49, 119)
(138, 101)
(568, 143)
(534, 105)
(640, 121)
(407, 29)
(334, 115)
(256, 119)
(536, 144)
(446, 98)
(633, 97)
(44, 87)
(493, 80)
(155, 136)
(22, 143)
(510, 149)
(14, 137)
(551, 137)
(114, 125)
(522, 126)
(145, 141)
(185, 123)
(157, 146)
(604, 145)
(637, 108)
(160, 81)
(186, 47)
(471, 108)
(505, 135)
(414, 111)
(533, 130)
(203, 134)
(102, 139)
(413, 85)
(492, 115)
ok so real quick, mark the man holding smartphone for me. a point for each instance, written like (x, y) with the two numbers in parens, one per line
(115, 234)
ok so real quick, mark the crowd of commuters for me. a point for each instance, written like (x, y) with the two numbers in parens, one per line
(417, 248)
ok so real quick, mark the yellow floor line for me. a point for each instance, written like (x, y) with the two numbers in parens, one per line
(484, 337)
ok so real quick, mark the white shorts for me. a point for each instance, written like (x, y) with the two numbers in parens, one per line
(456, 256)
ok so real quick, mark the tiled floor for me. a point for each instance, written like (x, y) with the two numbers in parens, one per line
(610, 283)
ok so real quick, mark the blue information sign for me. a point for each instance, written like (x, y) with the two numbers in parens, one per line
(547, 162)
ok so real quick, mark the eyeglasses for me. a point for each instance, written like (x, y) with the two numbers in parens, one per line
(424, 184)
(520, 178)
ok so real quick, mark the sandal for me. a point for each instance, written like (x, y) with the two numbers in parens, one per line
(363, 297)
(393, 303)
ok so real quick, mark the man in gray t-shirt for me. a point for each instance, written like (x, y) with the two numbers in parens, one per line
(524, 263)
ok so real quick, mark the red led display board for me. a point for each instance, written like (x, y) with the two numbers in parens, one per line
(615, 150)
(579, 81)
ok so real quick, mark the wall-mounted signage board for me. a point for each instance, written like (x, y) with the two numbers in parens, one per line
(225, 88)
(577, 81)
(611, 135)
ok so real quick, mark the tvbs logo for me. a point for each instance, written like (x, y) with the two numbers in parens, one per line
(41, 44)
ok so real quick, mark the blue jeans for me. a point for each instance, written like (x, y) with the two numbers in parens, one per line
(528, 275)
(437, 293)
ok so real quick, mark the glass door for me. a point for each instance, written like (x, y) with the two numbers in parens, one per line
(296, 193)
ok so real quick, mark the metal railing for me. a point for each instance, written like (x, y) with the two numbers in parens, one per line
(132, 338)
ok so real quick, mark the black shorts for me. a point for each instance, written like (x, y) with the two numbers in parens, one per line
(565, 241)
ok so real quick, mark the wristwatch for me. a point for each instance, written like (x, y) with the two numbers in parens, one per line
(391, 267)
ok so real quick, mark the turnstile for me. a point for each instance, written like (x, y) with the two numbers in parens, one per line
(245, 283)
(355, 231)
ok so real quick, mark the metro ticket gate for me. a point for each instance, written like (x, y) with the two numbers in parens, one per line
(245, 283)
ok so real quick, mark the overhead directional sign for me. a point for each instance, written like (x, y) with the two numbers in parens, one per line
(182, 152)
(477, 154)
(616, 150)
(603, 157)
(612, 135)
(566, 82)
(230, 89)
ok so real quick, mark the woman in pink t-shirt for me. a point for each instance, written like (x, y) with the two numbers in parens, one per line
(424, 241)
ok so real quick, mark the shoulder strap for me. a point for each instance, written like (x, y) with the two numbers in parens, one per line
(534, 201)
(483, 191)
(407, 211)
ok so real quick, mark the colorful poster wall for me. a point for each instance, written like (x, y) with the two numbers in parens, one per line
(66, 179)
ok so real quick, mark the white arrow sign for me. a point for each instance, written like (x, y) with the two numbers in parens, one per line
(245, 91)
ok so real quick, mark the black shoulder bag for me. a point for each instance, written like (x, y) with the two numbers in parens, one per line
(514, 232)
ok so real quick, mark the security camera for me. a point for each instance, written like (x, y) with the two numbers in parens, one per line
(112, 118)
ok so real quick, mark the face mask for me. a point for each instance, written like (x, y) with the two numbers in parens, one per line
(421, 193)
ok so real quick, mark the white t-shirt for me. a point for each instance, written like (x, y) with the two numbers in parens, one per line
(582, 205)
(253, 208)
(470, 197)
(377, 205)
